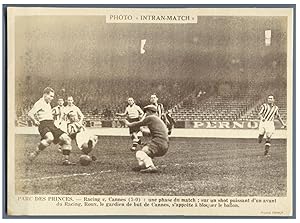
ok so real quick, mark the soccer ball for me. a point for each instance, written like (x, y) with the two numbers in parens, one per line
(85, 160)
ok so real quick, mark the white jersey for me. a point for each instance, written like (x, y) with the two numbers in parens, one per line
(41, 110)
(134, 111)
(75, 109)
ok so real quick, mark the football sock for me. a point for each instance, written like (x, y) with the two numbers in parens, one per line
(267, 146)
(66, 157)
(260, 138)
(135, 142)
(66, 150)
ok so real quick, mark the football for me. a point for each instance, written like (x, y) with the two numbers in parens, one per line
(85, 160)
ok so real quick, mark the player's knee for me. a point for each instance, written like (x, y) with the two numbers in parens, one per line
(268, 136)
(136, 140)
(94, 138)
(66, 149)
(49, 138)
(140, 155)
(43, 144)
(146, 150)
(65, 139)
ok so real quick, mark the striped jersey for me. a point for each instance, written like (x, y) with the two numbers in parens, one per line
(41, 110)
(268, 112)
(73, 128)
(160, 110)
(58, 112)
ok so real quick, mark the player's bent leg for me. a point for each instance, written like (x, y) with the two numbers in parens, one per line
(140, 156)
(143, 158)
(66, 148)
(135, 141)
(268, 143)
(49, 138)
(267, 147)
(260, 138)
(86, 148)
(91, 144)
(44, 143)
(261, 133)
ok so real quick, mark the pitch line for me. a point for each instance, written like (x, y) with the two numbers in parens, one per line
(65, 176)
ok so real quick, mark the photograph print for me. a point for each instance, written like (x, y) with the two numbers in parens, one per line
(116, 105)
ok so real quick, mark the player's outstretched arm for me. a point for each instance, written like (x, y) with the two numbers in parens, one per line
(35, 122)
(261, 112)
(121, 114)
(281, 121)
(261, 117)
(135, 124)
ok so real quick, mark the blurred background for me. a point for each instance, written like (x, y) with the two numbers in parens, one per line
(220, 69)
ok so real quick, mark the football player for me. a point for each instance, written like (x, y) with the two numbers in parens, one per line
(70, 107)
(84, 140)
(165, 116)
(41, 115)
(134, 113)
(268, 112)
(159, 143)
(58, 112)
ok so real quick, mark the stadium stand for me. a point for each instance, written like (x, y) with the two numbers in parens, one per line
(186, 100)
(243, 106)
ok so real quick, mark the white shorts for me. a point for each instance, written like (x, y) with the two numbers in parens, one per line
(57, 123)
(82, 138)
(266, 127)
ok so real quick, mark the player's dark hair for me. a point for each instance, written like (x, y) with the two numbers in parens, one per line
(271, 95)
(47, 90)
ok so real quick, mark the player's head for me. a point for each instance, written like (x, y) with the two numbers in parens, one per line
(48, 94)
(71, 116)
(60, 101)
(130, 101)
(70, 100)
(153, 99)
(150, 109)
(271, 99)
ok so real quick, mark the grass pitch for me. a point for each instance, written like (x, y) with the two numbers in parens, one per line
(192, 167)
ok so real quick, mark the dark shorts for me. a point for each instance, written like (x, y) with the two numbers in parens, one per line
(48, 126)
(157, 149)
(133, 129)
